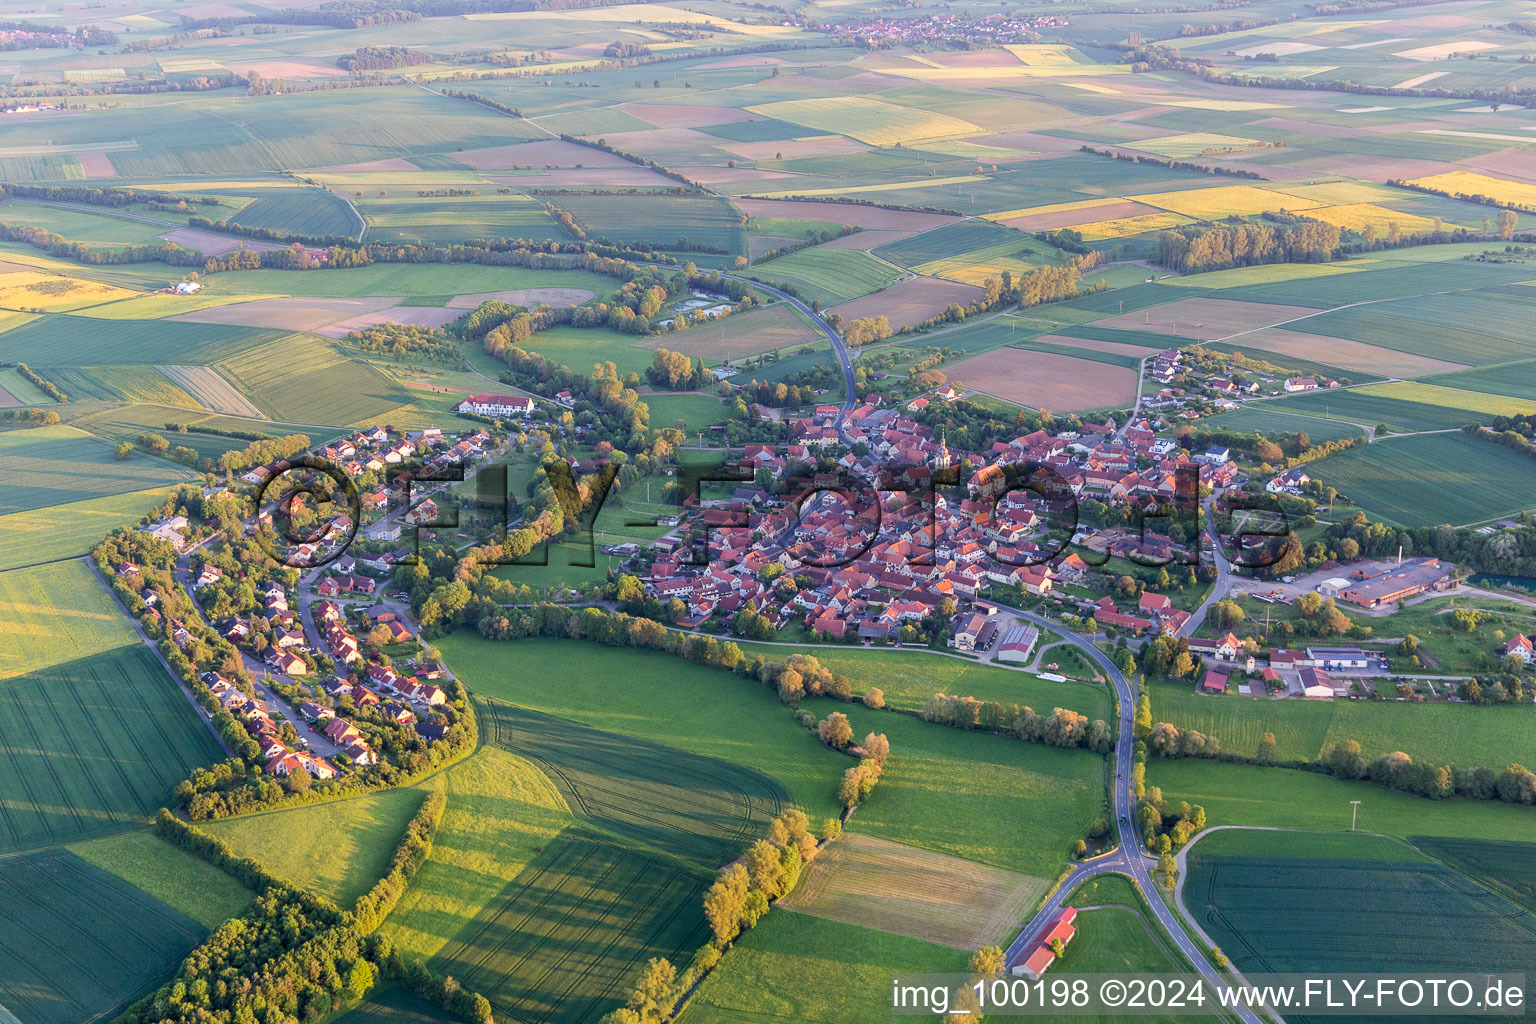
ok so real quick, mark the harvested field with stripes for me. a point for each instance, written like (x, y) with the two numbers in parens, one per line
(211, 390)
(917, 893)
(1045, 380)
(92, 746)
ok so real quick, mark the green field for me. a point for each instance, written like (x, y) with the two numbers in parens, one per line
(405, 280)
(1456, 734)
(396, 1006)
(1505, 867)
(216, 133)
(57, 464)
(55, 613)
(299, 211)
(909, 678)
(119, 384)
(22, 389)
(794, 967)
(360, 836)
(1365, 912)
(441, 220)
(95, 228)
(679, 704)
(1431, 479)
(828, 276)
(303, 378)
(171, 875)
(78, 944)
(501, 812)
(1517, 380)
(951, 240)
(1271, 419)
(580, 347)
(569, 934)
(81, 341)
(696, 411)
(92, 746)
(1361, 406)
(1284, 798)
(697, 808)
(73, 528)
(665, 221)
(986, 798)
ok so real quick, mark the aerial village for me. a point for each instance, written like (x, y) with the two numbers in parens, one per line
(959, 551)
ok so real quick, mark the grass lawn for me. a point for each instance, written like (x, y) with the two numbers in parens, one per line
(696, 411)
(169, 874)
(801, 968)
(1114, 940)
(1247, 795)
(656, 697)
(52, 465)
(909, 677)
(360, 835)
(975, 795)
(56, 613)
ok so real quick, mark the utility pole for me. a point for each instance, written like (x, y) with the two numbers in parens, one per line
(1354, 814)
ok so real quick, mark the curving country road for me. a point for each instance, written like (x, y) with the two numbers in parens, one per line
(1128, 858)
(850, 397)
(1224, 575)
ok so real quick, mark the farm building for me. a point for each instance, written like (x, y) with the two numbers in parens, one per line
(1018, 644)
(1042, 956)
(1316, 684)
(971, 630)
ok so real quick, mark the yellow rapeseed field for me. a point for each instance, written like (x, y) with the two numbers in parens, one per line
(1469, 183)
(1127, 226)
(1225, 201)
(1356, 216)
(28, 289)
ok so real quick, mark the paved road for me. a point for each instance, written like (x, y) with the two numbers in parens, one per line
(319, 744)
(1225, 578)
(1129, 858)
(850, 396)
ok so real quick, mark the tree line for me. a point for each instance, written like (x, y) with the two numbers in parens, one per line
(46, 386)
(294, 955)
